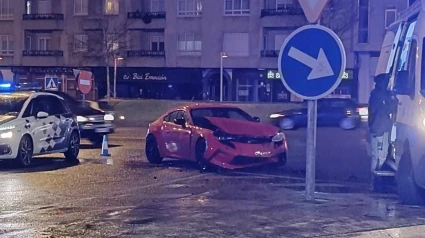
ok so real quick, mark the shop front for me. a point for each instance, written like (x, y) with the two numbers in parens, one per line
(153, 83)
(347, 88)
(36, 76)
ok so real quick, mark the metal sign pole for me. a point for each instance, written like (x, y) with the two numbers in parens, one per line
(310, 176)
(310, 172)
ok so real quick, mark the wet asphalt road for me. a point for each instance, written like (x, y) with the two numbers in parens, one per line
(124, 196)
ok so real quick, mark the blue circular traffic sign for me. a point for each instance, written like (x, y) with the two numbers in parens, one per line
(312, 62)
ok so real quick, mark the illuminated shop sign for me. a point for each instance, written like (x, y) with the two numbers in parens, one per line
(274, 74)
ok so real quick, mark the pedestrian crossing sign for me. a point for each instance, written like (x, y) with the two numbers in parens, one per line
(51, 83)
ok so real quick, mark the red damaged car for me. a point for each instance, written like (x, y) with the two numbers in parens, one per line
(217, 135)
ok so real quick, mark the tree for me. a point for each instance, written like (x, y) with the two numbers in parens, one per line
(341, 16)
(106, 40)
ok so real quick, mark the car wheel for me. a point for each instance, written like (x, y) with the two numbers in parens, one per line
(408, 191)
(348, 124)
(152, 150)
(25, 151)
(96, 139)
(200, 148)
(71, 155)
(287, 124)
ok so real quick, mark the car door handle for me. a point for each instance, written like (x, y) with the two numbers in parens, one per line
(51, 123)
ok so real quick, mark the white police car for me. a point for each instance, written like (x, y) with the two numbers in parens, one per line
(35, 123)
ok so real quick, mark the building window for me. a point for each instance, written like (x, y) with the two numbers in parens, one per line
(28, 43)
(390, 16)
(6, 9)
(363, 36)
(7, 45)
(157, 5)
(236, 44)
(44, 7)
(112, 7)
(189, 43)
(80, 43)
(81, 7)
(236, 7)
(112, 42)
(278, 41)
(157, 43)
(189, 8)
(284, 4)
(28, 7)
(44, 43)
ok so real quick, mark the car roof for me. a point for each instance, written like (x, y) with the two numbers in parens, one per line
(200, 106)
(30, 94)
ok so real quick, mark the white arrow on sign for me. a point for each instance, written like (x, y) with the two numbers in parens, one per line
(320, 67)
(313, 9)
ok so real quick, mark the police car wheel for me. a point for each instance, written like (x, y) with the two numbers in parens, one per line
(25, 151)
(408, 191)
(71, 154)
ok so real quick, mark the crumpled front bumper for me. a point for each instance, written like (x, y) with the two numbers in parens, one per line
(245, 155)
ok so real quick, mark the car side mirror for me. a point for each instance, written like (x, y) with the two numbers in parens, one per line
(42, 115)
(402, 84)
(180, 122)
(257, 119)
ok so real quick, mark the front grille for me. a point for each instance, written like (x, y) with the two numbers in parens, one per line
(244, 160)
(253, 140)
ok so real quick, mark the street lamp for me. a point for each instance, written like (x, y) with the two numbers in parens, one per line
(116, 59)
(222, 56)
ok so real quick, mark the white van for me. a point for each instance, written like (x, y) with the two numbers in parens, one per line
(403, 57)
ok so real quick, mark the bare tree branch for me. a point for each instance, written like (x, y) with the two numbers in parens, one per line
(340, 16)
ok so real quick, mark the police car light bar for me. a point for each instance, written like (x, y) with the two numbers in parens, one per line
(5, 85)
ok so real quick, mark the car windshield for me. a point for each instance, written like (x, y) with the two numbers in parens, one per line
(11, 104)
(230, 113)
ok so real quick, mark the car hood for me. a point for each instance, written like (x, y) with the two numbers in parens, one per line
(6, 118)
(293, 111)
(87, 111)
(246, 128)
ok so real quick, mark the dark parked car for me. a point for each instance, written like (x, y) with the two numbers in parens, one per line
(330, 112)
(93, 121)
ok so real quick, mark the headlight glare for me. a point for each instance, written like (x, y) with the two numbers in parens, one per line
(81, 119)
(108, 117)
(278, 137)
(275, 115)
(6, 135)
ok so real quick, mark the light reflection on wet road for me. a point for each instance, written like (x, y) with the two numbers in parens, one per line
(124, 196)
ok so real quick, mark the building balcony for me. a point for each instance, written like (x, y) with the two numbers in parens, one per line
(52, 16)
(293, 11)
(43, 22)
(145, 53)
(43, 53)
(270, 53)
(146, 15)
(147, 20)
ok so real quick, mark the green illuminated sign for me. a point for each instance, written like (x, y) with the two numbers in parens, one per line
(274, 74)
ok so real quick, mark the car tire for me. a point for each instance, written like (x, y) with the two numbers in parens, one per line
(408, 191)
(25, 151)
(287, 124)
(200, 149)
(152, 150)
(348, 124)
(71, 155)
(96, 139)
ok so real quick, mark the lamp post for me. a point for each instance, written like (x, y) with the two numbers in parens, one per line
(116, 59)
(222, 56)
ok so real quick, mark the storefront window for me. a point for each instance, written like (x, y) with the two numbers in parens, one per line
(245, 90)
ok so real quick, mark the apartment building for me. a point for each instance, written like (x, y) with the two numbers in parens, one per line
(174, 48)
